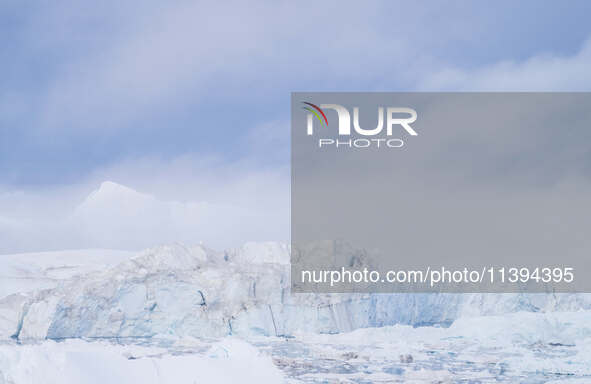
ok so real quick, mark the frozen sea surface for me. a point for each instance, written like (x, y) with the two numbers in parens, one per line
(521, 347)
(99, 362)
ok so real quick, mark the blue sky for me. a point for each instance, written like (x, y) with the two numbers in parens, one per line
(85, 87)
(189, 101)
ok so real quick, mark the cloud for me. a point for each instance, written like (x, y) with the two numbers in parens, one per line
(87, 88)
(547, 72)
(188, 102)
(185, 199)
(190, 52)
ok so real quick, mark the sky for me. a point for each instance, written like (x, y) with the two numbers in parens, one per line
(188, 102)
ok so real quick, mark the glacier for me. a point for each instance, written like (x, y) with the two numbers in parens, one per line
(177, 313)
(176, 291)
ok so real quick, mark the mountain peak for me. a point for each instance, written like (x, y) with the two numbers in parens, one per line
(112, 187)
(113, 196)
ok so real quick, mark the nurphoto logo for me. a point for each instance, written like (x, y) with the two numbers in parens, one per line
(395, 117)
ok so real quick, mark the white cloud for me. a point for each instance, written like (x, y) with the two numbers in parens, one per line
(157, 56)
(189, 51)
(546, 72)
(186, 199)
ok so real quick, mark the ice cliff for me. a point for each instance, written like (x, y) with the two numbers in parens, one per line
(175, 291)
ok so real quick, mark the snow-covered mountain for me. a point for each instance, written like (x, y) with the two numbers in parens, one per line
(117, 216)
(114, 216)
(120, 217)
